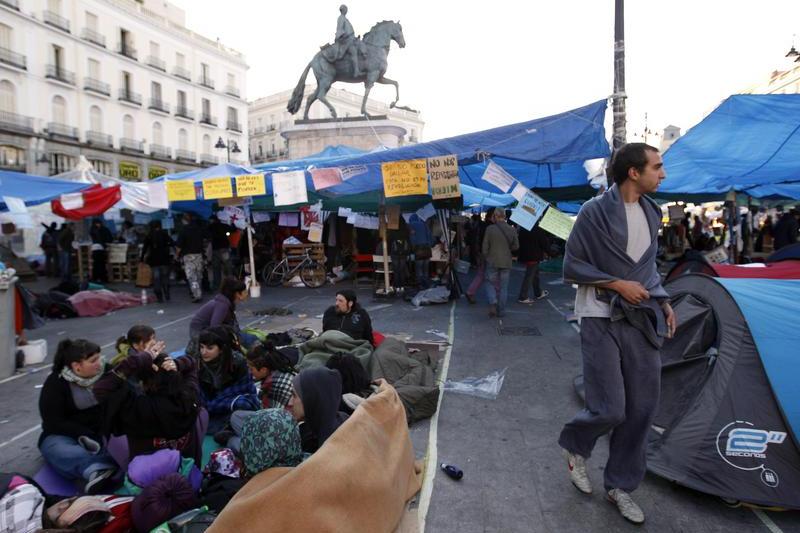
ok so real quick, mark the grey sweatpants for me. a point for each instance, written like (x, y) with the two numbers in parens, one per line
(622, 376)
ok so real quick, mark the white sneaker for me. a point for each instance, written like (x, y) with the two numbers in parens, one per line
(545, 294)
(577, 472)
(627, 507)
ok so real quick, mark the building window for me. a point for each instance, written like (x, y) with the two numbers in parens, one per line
(260, 150)
(5, 37)
(207, 144)
(61, 163)
(91, 21)
(58, 58)
(54, 6)
(128, 127)
(205, 72)
(103, 167)
(94, 69)
(155, 90)
(127, 81)
(155, 49)
(59, 110)
(181, 100)
(206, 108)
(158, 133)
(8, 97)
(180, 60)
(12, 157)
(95, 119)
(183, 139)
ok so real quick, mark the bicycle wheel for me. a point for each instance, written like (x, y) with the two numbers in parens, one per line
(274, 273)
(313, 274)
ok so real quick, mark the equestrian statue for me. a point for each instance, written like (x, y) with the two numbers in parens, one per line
(351, 60)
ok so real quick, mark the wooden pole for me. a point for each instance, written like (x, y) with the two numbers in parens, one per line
(255, 289)
(382, 230)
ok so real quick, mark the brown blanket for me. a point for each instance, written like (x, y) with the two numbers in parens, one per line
(359, 481)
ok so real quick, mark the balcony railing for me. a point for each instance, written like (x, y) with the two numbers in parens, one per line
(56, 129)
(156, 62)
(185, 155)
(97, 138)
(184, 112)
(257, 130)
(126, 95)
(283, 152)
(208, 119)
(54, 19)
(183, 73)
(55, 72)
(233, 125)
(127, 50)
(233, 91)
(13, 4)
(14, 122)
(97, 86)
(208, 158)
(159, 150)
(9, 57)
(92, 36)
(131, 145)
(158, 104)
(206, 82)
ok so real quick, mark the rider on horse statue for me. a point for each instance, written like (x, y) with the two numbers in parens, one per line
(346, 41)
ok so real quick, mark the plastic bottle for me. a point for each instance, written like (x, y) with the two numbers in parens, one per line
(452, 471)
(144, 296)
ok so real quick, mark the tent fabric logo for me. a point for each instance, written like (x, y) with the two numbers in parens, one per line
(743, 446)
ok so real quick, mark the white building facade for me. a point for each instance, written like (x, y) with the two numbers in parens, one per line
(122, 82)
(268, 119)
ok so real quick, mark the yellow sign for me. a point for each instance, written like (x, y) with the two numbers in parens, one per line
(215, 188)
(250, 185)
(405, 178)
(557, 223)
(155, 172)
(181, 190)
(444, 177)
(129, 171)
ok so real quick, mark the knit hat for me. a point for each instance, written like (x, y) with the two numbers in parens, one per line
(165, 498)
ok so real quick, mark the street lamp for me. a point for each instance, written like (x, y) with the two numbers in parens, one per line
(231, 147)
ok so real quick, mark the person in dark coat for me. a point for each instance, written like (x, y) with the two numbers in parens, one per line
(533, 247)
(348, 317)
(316, 395)
(49, 245)
(101, 238)
(65, 238)
(786, 229)
(155, 253)
(220, 310)
(220, 251)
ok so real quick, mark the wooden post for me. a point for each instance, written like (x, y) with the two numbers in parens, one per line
(255, 288)
(382, 230)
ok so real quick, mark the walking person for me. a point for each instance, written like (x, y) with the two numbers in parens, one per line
(220, 251)
(65, 238)
(498, 243)
(625, 316)
(155, 253)
(101, 238)
(533, 246)
(49, 245)
(190, 249)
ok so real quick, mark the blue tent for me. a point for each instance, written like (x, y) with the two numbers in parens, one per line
(749, 140)
(33, 189)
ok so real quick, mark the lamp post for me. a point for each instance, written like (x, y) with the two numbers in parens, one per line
(231, 147)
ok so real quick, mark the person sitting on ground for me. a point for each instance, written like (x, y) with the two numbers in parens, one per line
(270, 438)
(72, 417)
(355, 380)
(139, 339)
(164, 415)
(220, 311)
(348, 317)
(316, 395)
(225, 384)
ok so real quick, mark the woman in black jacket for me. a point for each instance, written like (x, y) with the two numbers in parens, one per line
(73, 418)
(156, 253)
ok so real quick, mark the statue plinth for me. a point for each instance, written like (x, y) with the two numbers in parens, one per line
(307, 137)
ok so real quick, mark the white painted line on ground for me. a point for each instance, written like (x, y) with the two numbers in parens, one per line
(432, 457)
(772, 526)
(24, 433)
(573, 324)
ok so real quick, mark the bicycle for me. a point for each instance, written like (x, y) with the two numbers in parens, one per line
(312, 272)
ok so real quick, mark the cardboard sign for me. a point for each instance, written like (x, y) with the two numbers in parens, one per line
(250, 185)
(557, 223)
(529, 211)
(405, 178)
(498, 177)
(181, 191)
(289, 188)
(215, 188)
(325, 177)
(443, 172)
(393, 216)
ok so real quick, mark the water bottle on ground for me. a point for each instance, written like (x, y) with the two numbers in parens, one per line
(452, 471)
(144, 296)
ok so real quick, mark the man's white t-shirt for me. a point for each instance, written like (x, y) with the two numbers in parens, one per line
(586, 302)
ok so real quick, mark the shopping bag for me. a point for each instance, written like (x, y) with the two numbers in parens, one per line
(144, 275)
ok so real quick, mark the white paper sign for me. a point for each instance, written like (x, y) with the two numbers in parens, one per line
(519, 192)
(366, 222)
(289, 188)
(72, 201)
(261, 216)
(529, 211)
(157, 195)
(315, 232)
(345, 212)
(425, 212)
(15, 205)
(498, 177)
(353, 171)
(351, 218)
(234, 216)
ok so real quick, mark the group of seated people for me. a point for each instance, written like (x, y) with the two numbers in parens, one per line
(247, 394)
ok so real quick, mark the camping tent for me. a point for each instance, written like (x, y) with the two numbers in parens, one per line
(787, 252)
(729, 417)
(695, 262)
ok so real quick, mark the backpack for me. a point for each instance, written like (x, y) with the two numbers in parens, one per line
(48, 240)
(217, 491)
(21, 507)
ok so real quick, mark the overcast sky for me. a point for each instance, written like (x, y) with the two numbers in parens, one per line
(473, 65)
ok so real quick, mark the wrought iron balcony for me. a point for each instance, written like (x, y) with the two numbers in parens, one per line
(129, 96)
(208, 119)
(157, 104)
(92, 36)
(233, 91)
(55, 72)
(156, 62)
(158, 150)
(183, 73)
(184, 112)
(131, 145)
(97, 86)
(13, 4)
(208, 158)
(206, 82)
(56, 129)
(97, 138)
(9, 57)
(14, 122)
(234, 126)
(127, 50)
(54, 19)
(185, 155)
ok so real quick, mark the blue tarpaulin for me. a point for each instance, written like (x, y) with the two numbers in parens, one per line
(33, 189)
(749, 140)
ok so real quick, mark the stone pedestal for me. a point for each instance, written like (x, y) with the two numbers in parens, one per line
(309, 137)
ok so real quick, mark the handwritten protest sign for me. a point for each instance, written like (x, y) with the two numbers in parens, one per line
(289, 188)
(557, 223)
(405, 178)
(443, 172)
(250, 185)
(529, 210)
(215, 188)
(498, 177)
(181, 191)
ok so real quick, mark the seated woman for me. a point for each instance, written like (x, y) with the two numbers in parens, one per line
(316, 395)
(220, 311)
(225, 384)
(73, 418)
(164, 414)
(270, 438)
(140, 338)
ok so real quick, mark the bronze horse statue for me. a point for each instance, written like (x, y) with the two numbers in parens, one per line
(374, 49)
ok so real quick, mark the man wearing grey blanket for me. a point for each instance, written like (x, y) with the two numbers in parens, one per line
(625, 316)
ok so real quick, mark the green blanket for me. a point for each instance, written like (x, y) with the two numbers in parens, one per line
(318, 350)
